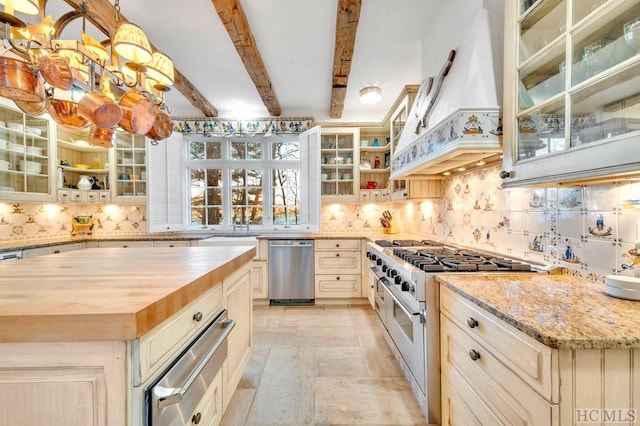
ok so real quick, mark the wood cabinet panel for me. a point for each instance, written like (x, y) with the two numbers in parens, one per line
(333, 245)
(259, 284)
(337, 286)
(41, 251)
(338, 263)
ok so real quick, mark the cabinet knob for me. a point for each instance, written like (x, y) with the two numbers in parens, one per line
(56, 251)
(195, 419)
(197, 317)
(474, 355)
(337, 278)
(124, 246)
(472, 322)
(337, 254)
(337, 245)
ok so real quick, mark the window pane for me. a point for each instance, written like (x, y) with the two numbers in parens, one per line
(197, 216)
(214, 177)
(208, 196)
(214, 215)
(285, 150)
(254, 150)
(286, 197)
(238, 151)
(196, 150)
(197, 187)
(214, 150)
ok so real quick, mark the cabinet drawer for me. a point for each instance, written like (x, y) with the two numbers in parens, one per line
(208, 412)
(162, 343)
(41, 251)
(500, 389)
(531, 360)
(337, 286)
(333, 245)
(171, 243)
(338, 263)
(124, 244)
(461, 405)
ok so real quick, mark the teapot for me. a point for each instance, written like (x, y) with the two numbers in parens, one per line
(95, 183)
(372, 184)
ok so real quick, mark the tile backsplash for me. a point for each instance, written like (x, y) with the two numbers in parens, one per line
(589, 230)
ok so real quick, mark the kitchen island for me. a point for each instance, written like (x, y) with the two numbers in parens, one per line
(82, 332)
(540, 349)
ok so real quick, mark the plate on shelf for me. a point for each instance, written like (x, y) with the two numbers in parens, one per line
(15, 126)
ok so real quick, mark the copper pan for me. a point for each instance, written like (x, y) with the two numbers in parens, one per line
(162, 126)
(100, 109)
(101, 137)
(138, 113)
(55, 70)
(33, 108)
(66, 113)
(19, 82)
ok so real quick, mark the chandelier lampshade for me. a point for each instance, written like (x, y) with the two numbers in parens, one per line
(131, 43)
(95, 47)
(161, 71)
(29, 7)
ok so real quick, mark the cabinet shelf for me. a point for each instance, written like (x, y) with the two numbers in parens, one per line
(81, 148)
(375, 171)
(385, 148)
(85, 171)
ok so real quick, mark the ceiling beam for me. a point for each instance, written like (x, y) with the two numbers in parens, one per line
(102, 16)
(232, 16)
(346, 25)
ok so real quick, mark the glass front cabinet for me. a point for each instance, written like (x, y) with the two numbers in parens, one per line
(572, 90)
(339, 158)
(26, 163)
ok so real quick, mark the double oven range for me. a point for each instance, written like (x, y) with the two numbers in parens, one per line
(407, 304)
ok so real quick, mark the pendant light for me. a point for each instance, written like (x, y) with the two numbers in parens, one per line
(131, 43)
(161, 71)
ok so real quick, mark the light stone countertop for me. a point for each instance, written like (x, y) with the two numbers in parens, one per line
(561, 311)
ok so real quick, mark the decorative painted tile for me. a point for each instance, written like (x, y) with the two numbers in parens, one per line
(601, 198)
(599, 256)
(570, 224)
(601, 225)
(629, 226)
(569, 198)
(627, 260)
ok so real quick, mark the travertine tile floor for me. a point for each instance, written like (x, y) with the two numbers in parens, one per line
(321, 365)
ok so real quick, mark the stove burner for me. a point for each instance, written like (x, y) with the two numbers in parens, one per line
(384, 243)
(446, 259)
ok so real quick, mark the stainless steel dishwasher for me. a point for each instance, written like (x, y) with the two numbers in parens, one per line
(291, 272)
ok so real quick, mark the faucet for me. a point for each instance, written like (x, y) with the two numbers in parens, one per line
(237, 225)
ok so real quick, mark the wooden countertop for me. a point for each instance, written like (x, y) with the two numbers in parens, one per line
(561, 311)
(107, 293)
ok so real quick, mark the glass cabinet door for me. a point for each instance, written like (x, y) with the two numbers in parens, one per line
(131, 166)
(337, 169)
(578, 74)
(24, 154)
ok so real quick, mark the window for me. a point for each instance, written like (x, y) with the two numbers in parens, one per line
(244, 181)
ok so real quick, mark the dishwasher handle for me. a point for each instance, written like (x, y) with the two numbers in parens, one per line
(289, 243)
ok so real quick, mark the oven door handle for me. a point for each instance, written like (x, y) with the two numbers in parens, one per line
(372, 271)
(170, 396)
(420, 314)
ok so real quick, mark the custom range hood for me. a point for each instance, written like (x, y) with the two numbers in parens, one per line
(454, 120)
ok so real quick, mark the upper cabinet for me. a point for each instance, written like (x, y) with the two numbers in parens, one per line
(131, 167)
(339, 158)
(25, 161)
(572, 90)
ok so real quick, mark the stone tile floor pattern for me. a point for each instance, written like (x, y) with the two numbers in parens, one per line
(321, 365)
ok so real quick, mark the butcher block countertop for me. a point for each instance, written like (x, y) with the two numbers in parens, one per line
(107, 293)
(561, 311)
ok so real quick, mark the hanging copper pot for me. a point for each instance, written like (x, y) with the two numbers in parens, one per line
(101, 137)
(66, 113)
(19, 82)
(162, 126)
(55, 70)
(100, 109)
(33, 108)
(138, 113)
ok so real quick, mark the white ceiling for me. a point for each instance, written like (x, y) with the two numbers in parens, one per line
(296, 41)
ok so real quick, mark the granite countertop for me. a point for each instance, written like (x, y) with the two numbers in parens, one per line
(107, 293)
(561, 311)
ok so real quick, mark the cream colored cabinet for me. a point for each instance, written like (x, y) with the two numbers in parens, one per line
(130, 168)
(375, 164)
(339, 159)
(571, 79)
(76, 159)
(492, 373)
(209, 411)
(237, 300)
(124, 244)
(170, 243)
(26, 162)
(59, 248)
(338, 268)
(259, 277)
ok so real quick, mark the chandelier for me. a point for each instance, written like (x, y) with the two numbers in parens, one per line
(117, 84)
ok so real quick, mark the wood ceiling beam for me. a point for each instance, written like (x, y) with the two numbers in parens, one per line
(233, 18)
(102, 16)
(347, 19)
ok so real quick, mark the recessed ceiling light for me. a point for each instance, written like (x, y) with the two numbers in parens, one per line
(370, 95)
(481, 163)
(446, 173)
(461, 169)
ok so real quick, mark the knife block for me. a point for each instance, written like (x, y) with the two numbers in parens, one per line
(392, 229)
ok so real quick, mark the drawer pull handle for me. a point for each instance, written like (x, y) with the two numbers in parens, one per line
(56, 251)
(474, 355)
(196, 418)
(472, 322)
(197, 317)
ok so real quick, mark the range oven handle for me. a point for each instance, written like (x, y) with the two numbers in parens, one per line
(170, 396)
(420, 314)
(373, 270)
